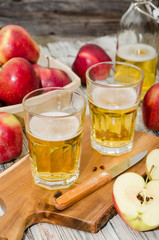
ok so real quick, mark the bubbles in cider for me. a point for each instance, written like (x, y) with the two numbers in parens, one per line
(113, 113)
(54, 141)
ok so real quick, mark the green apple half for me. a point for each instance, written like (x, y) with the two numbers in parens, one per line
(152, 164)
(136, 201)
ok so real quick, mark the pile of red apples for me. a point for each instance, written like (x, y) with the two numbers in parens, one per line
(20, 74)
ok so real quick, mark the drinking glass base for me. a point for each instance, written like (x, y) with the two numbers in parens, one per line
(112, 151)
(55, 183)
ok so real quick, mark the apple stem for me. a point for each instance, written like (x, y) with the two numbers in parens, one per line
(48, 62)
(152, 167)
(70, 56)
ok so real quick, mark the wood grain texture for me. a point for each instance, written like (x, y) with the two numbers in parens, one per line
(27, 204)
(64, 17)
(82, 190)
(67, 17)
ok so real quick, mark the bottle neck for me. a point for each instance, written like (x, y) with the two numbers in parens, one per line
(147, 8)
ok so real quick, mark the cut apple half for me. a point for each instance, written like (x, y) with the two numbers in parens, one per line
(136, 201)
(152, 164)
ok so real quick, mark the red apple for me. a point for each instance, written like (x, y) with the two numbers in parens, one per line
(15, 41)
(136, 201)
(150, 108)
(11, 137)
(51, 77)
(17, 78)
(87, 56)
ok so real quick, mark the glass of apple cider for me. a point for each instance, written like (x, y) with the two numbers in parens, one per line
(54, 122)
(114, 93)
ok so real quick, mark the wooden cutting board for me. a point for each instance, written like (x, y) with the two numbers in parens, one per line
(26, 204)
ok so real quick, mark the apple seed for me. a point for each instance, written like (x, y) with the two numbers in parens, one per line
(143, 198)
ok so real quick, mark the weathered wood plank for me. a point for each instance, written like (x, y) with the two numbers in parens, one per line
(64, 17)
(48, 7)
(67, 25)
(67, 17)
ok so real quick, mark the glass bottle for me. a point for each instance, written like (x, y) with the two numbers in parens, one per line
(137, 39)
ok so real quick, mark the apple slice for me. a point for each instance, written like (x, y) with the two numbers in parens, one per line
(136, 201)
(152, 164)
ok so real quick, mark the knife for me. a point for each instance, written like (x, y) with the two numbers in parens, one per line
(74, 195)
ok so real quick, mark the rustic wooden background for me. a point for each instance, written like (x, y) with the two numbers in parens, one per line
(64, 17)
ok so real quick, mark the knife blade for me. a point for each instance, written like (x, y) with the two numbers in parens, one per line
(77, 193)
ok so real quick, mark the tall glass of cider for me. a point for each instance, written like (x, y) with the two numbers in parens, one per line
(114, 93)
(54, 122)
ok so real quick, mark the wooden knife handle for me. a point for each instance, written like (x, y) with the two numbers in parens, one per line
(82, 190)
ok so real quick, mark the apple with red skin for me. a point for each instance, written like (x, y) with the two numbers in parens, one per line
(137, 201)
(15, 41)
(51, 77)
(17, 78)
(150, 108)
(11, 137)
(88, 55)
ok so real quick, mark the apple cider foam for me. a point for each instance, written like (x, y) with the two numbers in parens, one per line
(54, 141)
(54, 129)
(114, 98)
(113, 113)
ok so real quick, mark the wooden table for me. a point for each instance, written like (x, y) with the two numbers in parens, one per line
(115, 229)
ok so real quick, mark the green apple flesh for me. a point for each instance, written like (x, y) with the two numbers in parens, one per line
(152, 164)
(136, 201)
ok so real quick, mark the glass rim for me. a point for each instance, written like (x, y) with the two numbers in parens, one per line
(55, 88)
(114, 86)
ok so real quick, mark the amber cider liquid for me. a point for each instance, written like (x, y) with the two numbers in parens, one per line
(54, 147)
(113, 115)
(143, 56)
